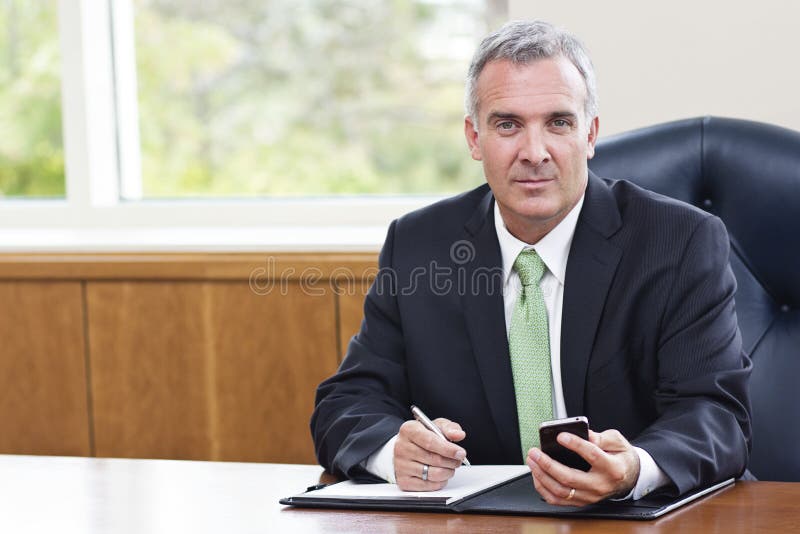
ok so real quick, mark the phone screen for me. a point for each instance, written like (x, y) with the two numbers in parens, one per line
(547, 438)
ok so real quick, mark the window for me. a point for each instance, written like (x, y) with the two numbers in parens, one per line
(313, 97)
(31, 152)
(305, 124)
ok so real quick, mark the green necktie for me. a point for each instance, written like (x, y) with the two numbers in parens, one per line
(529, 344)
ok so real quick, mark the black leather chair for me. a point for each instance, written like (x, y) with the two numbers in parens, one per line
(748, 174)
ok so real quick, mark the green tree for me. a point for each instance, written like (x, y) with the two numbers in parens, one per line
(260, 97)
(31, 150)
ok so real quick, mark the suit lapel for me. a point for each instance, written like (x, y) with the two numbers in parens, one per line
(593, 260)
(485, 318)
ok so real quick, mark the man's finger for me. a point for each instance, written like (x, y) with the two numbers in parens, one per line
(413, 468)
(606, 463)
(612, 441)
(429, 441)
(417, 447)
(440, 474)
(408, 450)
(593, 454)
(450, 429)
(548, 483)
(552, 491)
(567, 477)
(613, 472)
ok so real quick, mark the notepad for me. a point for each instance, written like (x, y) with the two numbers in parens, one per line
(492, 489)
(467, 482)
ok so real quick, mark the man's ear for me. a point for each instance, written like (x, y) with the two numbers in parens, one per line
(471, 133)
(594, 126)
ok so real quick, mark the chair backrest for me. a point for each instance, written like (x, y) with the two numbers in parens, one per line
(748, 174)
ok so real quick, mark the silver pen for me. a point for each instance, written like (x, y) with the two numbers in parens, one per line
(427, 423)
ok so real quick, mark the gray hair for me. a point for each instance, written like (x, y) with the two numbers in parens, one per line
(523, 41)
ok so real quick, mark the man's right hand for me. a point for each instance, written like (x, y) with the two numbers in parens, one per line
(417, 447)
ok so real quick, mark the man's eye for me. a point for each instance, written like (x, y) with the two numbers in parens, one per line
(561, 123)
(505, 125)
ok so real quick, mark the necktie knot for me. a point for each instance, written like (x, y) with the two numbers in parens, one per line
(530, 267)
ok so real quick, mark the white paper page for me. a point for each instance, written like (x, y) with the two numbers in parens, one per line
(468, 480)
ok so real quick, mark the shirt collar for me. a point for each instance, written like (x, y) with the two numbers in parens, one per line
(553, 248)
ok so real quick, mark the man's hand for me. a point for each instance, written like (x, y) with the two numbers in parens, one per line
(614, 472)
(417, 447)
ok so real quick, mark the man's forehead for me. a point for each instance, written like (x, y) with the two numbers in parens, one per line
(545, 71)
(546, 78)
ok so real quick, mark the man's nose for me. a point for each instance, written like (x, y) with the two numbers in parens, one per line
(534, 149)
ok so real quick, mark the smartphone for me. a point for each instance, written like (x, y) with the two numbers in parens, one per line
(547, 439)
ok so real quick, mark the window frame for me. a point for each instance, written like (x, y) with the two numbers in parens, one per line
(98, 91)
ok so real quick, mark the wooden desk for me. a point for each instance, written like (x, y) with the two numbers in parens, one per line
(90, 495)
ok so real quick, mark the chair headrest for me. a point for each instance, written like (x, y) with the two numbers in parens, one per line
(747, 173)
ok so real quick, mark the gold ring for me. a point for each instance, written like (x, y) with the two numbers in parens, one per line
(571, 494)
(425, 468)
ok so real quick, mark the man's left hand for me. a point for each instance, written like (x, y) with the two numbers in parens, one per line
(614, 470)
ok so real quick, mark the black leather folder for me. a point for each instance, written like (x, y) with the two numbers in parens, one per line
(516, 497)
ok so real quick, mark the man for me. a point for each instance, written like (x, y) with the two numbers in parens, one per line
(547, 292)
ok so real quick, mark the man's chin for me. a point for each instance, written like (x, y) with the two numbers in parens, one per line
(539, 210)
(536, 219)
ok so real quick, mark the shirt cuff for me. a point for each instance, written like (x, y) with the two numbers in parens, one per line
(381, 462)
(651, 477)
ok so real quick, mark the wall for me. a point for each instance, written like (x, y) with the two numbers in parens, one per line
(661, 61)
(186, 356)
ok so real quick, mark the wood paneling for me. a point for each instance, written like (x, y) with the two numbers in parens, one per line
(43, 404)
(184, 266)
(351, 313)
(208, 370)
(189, 355)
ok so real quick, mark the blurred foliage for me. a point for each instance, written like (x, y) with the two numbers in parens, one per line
(31, 151)
(304, 97)
(262, 97)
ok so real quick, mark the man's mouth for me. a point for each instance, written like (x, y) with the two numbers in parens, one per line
(533, 182)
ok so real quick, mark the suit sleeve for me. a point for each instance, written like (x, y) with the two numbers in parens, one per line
(702, 434)
(363, 405)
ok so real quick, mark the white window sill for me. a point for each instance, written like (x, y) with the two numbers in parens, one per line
(195, 239)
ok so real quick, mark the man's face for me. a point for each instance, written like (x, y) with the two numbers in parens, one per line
(534, 141)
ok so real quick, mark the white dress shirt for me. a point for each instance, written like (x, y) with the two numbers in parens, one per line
(553, 248)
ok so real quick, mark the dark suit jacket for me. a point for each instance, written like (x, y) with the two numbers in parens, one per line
(649, 340)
